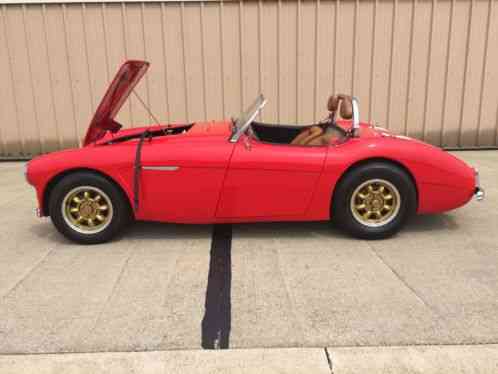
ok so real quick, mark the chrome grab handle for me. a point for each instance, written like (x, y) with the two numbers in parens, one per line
(161, 168)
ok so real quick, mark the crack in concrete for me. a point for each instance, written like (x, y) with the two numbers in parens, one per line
(405, 283)
(329, 360)
(25, 276)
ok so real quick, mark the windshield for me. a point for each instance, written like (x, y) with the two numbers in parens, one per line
(242, 123)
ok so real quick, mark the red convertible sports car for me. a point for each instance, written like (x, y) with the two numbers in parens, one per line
(366, 179)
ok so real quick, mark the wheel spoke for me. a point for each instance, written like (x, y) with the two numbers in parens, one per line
(362, 196)
(86, 194)
(387, 207)
(367, 214)
(361, 206)
(74, 210)
(381, 189)
(90, 222)
(76, 199)
(100, 217)
(388, 197)
(97, 198)
(370, 188)
(103, 207)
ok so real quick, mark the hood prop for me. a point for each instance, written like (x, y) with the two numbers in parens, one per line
(138, 169)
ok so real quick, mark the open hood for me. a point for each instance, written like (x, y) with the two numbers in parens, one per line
(127, 77)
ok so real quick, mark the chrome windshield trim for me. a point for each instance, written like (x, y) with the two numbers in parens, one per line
(161, 168)
(356, 116)
(251, 118)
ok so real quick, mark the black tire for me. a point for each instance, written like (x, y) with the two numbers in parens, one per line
(119, 207)
(394, 176)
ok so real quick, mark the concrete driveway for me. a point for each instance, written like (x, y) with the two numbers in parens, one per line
(281, 285)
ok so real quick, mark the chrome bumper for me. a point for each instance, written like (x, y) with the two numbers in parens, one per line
(478, 191)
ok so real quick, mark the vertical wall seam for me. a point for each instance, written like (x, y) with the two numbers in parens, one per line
(465, 68)
(298, 37)
(147, 76)
(445, 92)
(355, 47)
(125, 47)
(410, 63)
(203, 58)
(69, 73)
(260, 54)
(241, 57)
(372, 62)
(316, 83)
(106, 46)
(334, 64)
(30, 72)
(483, 74)
(222, 64)
(389, 84)
(50, 77)
(428, 72)
(279, 59)
(90, 88)
(165, 62)
(20, 131)
(185, 73)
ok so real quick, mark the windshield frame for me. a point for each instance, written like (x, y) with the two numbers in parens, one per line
(242, 123)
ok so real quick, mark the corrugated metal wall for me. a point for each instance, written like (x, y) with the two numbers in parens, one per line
(428, 69)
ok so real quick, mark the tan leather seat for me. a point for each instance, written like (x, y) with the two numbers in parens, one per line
(307, 135)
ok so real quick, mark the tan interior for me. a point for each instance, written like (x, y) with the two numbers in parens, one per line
(316, 135)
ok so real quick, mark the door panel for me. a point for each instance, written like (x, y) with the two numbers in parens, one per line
(270, 180)
(181, 180)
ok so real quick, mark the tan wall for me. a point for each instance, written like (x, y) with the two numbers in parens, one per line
(428, 69)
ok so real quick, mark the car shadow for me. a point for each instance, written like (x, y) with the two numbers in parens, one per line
(164, 231)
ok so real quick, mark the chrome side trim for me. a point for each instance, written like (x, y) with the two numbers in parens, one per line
(478, 191)
(161, 168)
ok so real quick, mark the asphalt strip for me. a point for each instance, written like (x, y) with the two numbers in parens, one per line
(217, 316)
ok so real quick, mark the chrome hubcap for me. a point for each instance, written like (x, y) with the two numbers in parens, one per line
(87, 209)
(375, 202)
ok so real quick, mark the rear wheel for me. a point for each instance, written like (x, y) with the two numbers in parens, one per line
(374, 200)
(87, 208)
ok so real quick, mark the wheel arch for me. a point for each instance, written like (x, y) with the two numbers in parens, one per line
(362, 162)
(58, 177)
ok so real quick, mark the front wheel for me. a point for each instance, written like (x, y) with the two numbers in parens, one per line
(374, 200)
(87, 208)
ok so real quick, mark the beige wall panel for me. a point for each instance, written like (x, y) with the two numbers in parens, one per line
(455, 74)
(364, 33)
(10, 134)
(194, 62)
(60, 90)
(250, 35)
(136, 50)
(154, 45)
(23, 82)
(437, 73)
(116, 50)
(325, 56)
(307, 75)
(469, 109)
(427, 68)
(176, 70)
(79, 68)
(230, 30)
(488, 129)
(400, 65)
(345, 47)
(286, 52)
(419, 65)
(211, 33)
(381, 63)
(41, 80)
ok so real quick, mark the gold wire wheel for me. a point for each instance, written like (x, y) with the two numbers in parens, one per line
(375, 202)
(87, 209)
